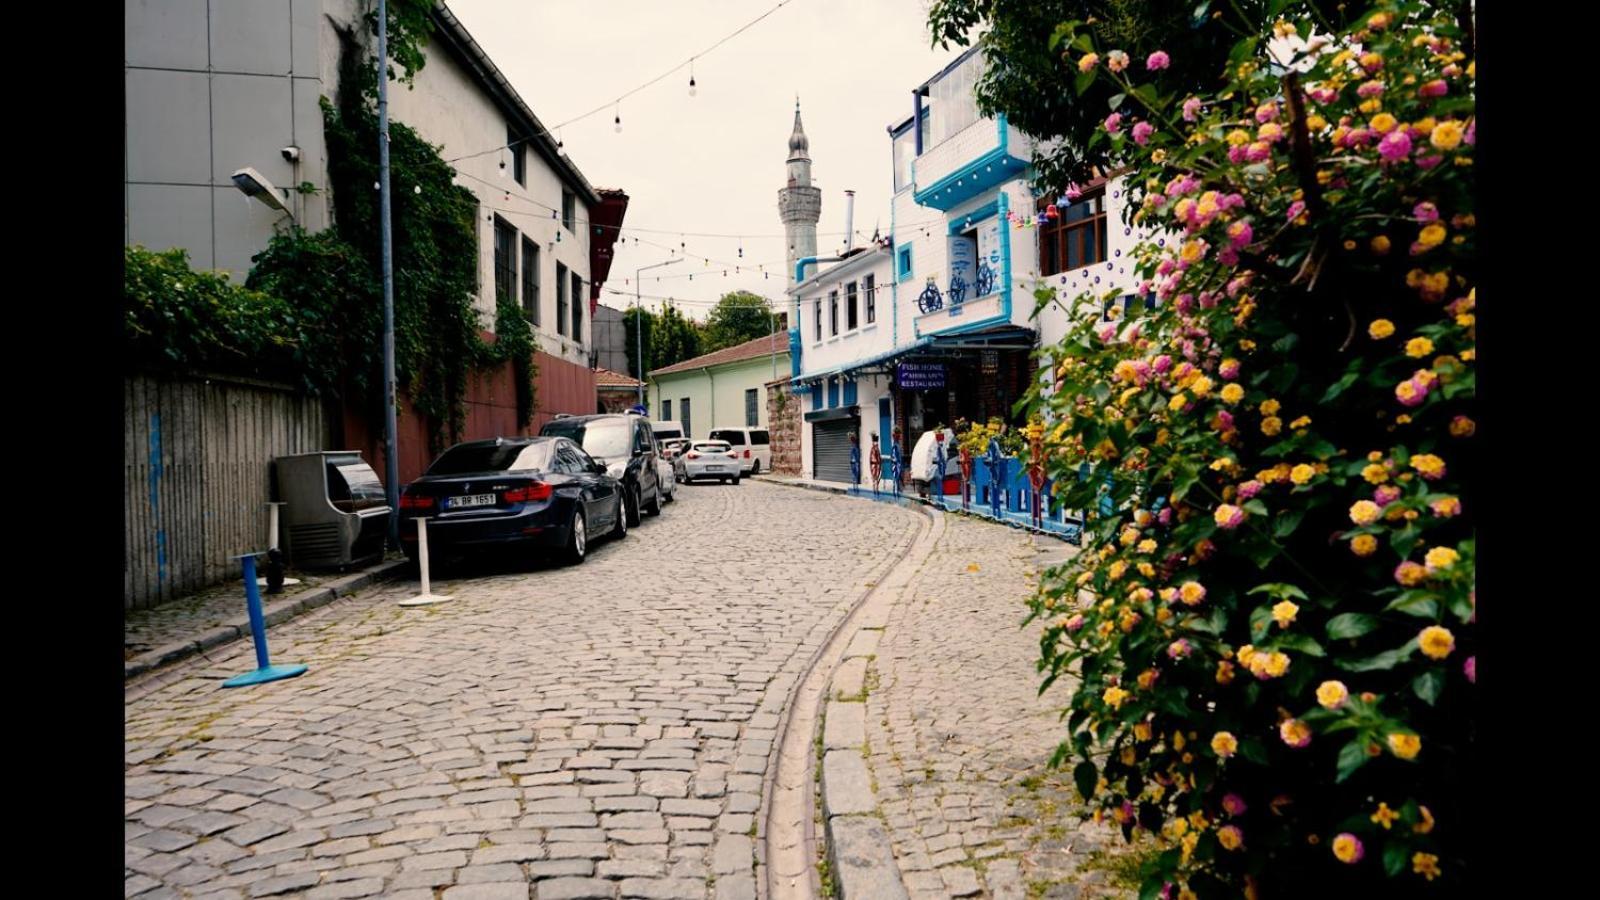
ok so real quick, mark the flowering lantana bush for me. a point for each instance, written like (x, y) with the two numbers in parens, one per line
(1274, 635)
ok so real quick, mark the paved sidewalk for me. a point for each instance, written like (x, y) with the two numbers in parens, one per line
(958, 738)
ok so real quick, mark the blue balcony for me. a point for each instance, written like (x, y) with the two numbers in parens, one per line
(974, 161)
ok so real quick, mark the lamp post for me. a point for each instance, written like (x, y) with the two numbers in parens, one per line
(391, 452)
(638, 322)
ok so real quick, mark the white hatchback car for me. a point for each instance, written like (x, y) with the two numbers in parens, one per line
(752, 444)
(710, 459)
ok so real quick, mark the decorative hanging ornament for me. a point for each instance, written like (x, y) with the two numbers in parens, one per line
(619, 118)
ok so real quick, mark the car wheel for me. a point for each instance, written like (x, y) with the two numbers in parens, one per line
(756, 469)
(578, 540)
(736, 479)
(631, 508)
(619, 529)
(654, 509)
(671, 494)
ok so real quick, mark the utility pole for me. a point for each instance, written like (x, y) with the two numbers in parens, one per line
(391, 453)
(638, 323)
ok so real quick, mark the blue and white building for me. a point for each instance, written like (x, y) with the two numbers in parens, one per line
(954, 335)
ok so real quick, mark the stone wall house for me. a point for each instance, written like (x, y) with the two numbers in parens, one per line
(783, 426)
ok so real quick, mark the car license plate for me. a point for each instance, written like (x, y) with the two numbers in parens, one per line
(471, 500)
(713, 468)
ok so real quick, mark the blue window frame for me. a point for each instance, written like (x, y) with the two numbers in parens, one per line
(816, 395)
(833, 392)
(902, 258)
(850, 392)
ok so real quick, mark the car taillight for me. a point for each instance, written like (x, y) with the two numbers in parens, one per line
(531, 493)
(409, 500)
(747, 454)
(692, 455)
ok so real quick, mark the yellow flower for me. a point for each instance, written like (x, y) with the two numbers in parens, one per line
(1363, 545)
(1418, 347)
(1284, 612)
(1375, 473)
(1116, 570)
(1380, 245)
(1447, 135)
(1346, 848)
(1192, 251)
(1385, 816)
(1365, 512)
(1301, 422)
(1192, 593)
(1228, 836)
(1270, 407)
(1302, 473)
(1426, 824)
(1332, 694)
(1232, 393)
(1277, 664)
(1147, 678)
(1224, 744)
(1431, 236)
(1436, 642)
(1405, 746)
(1114, 697)
(1426, 865)
(1141, 731)
(1441, 558)
(1428, 464)
(1383, 123)
(1271, 425)
(1129, 535)
(1201, 386)
(1238, 137)
(1147, 570)
(1380, 329)
(1178, 401)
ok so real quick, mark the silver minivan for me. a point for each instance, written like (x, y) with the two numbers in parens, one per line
(753, 446)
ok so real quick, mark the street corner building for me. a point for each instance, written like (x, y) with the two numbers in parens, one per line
(222, 96)
(936, 322)
(727, 388)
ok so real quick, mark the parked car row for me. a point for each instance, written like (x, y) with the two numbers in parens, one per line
(581, 478)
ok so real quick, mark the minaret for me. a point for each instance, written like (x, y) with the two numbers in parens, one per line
(799, 204)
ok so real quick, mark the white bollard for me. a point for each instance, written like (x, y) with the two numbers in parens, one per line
(272, 541)
(427, 596)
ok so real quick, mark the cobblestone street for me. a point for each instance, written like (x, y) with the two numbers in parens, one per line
(595, 731)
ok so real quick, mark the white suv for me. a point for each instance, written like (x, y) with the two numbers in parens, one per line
(751, 445)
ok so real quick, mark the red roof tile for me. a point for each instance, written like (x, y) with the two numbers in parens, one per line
(778, 342)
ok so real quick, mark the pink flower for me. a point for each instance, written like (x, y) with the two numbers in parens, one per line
(1258, 151)
(1179, 648)
(1185, 303)
(1369, 89)
(1434, 88)
(1241, 234)
(1225, 423)
(1228, 256)
(1355, 850)
(1266, 112)
(1471, 137)
(1385, 495)
(1163, 364)
(1191, 109)
(1429, 161)
(1324, 95)
(1165, 516)
(1470, 668)
(1075, 623)
(1409, 573)
(1295, 209)
(1412, 391)
(1229, 517)
(1208, 299)
(1249, 489)
(1238, 155)
(1106, 331)
(1158, 60)
(1425, 212)
(1073, 193)
(1114, 125)
(1395, 146)
(1142, 132)
(1234, 805)
(1229, 369)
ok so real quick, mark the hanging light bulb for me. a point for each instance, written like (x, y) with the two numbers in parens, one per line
(692, 90)
(502, 168)
(619, 118)
(416, 189)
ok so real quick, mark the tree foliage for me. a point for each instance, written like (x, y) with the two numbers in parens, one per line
(739, 316)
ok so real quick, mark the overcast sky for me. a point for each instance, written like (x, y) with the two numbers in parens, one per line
(715, 162)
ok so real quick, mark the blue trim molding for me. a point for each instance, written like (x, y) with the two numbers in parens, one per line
(903, 273)
(989, 171)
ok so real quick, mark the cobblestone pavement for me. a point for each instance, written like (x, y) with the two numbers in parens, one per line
(959, 739)
(184, 619)
(596, 731)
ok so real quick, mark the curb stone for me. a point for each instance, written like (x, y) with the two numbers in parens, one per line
(274, 613)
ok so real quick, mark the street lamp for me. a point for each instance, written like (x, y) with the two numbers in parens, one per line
(638, 322)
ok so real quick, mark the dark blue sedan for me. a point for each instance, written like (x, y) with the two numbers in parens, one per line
(521, 494)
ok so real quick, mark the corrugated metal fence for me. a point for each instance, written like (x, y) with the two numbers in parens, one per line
(196, 459)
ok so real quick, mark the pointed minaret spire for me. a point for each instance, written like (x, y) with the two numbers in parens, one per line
(799, 203)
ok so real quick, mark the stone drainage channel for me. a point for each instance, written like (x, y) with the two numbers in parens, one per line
(831, 767)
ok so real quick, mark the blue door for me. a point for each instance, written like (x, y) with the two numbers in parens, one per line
(885, 425)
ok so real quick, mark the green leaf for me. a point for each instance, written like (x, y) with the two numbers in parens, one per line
(1279, 590)
(1383, 662)
(1082, 83)
(1260, 622)
(1351, 757)
(1086, 776)
(1429, 685)
(1395, 855)
(1255, 508)
(1116, 101)
(1286, 522)
(1422, 604)
(1339, 387)
(1254, 751)
(1303, 643)
(1351, 625)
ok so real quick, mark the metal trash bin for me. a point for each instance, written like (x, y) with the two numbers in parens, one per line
(335, 510)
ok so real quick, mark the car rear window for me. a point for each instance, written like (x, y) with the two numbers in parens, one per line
(730, 435)
(598, 437)
(759, 437)
(712, 447)
(465, 459)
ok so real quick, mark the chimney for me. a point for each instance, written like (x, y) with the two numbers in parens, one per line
(849, 221)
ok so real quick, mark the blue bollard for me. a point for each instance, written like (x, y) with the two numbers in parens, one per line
(265, 670)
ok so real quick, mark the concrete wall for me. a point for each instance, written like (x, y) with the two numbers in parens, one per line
(848, 345)
(611, 339)
(716, 395)
(212, 86)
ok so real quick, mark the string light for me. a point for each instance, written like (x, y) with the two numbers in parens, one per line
(619, 118)
(692, 90)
